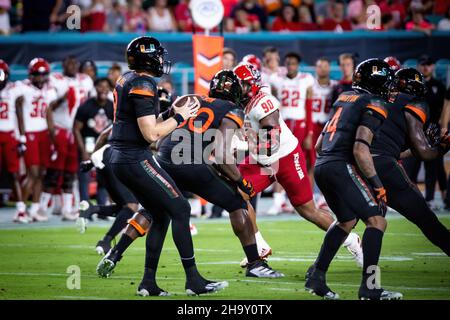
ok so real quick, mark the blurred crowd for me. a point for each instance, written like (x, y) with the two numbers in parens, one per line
(241, 16)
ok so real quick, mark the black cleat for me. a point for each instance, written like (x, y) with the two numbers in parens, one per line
(103, 247)
(107, 264)
(260, 269)
(150, 289)
(309, 272)
(316, 285)
(204, 287)
(378, 294)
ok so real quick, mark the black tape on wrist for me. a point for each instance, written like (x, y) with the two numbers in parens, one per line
(178, 118)
(375, 182)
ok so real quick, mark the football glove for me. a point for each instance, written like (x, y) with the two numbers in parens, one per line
(86, 165)
(380, 194)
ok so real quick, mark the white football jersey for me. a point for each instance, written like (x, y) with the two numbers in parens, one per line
(35, 104)
(292, 95)
(77, 89)
(258, 108)
(8, 96)
(321, 103)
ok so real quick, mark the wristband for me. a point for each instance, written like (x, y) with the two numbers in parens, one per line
(178, 118)
(23, 139)
(375, 182)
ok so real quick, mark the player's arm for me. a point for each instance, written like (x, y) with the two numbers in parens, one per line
(406, 154)
(419, 144)
(21, 125)
(270, 136)
(151, 129)
(77, 127)
(371, 121)
(103, 138)
(445, 115)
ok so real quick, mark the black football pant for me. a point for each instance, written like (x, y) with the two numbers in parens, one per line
(157, 193)
(404, 197)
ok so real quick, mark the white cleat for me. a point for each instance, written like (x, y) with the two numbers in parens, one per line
(21, 217)
(69, 216)
(353, 245)
(211, 287)
(37, 217)
(274, 210)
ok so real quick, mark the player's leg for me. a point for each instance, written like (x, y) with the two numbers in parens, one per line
(147, 178)
(404, 197)
(205, 181)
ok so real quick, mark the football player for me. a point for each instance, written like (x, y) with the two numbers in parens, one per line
(277, 155)
(403, 129)
(37, 96)
(73, 89)
(137, 123)
(10, 146)
(346, 175)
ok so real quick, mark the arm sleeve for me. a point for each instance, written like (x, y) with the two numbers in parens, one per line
(142, 95)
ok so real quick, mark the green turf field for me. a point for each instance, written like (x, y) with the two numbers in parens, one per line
(33, 263)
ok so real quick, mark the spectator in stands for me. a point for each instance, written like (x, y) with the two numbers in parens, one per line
(183, 16)
(336, 21)
(160, 18)
(252, 8)
(94, 17)
(444, 24)
(271, 70)
(5, 26)
(287, 19)
(135, 17)
(418, 22)
(228, 6)
(396, 8)
(39, 15)
(243, 22)
(387, 22)
(306, 19)
(229, 59)
(89, 68)
(114, 73)
(347, 64)
(116, 16)
(434, 169)
(357, 13)
(323, 10)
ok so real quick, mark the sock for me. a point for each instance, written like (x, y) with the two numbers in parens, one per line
(44, 201)
(371, 243)
(278, 199)
(57, 203)
(192, 272)
(251, 252)
(107, 238)
(124, 242)
(120, 222)
(149, 275)
(330, 246)
(34, 208)
(67, 203)
(20, 206)
(260, 242)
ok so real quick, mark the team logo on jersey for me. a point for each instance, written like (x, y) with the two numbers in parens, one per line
(298, 167)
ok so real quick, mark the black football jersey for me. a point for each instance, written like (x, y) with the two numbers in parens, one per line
(392, 138)
(339, 133)
(193, 138)
(135, 96)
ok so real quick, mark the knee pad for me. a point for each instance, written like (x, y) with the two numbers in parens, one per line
(140, 222)
(51, 178)
(68, 179)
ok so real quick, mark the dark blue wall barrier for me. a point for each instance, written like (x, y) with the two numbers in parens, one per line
(21, 48)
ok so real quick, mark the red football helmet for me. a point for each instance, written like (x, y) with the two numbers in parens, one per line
(250, 79)
(393, 63)
(4, 73)
(253, 60)
(38, 66)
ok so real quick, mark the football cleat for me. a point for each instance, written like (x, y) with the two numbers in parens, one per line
(316, 285)
(68, 216)
(21, 217)
(107, 264)
(260, 269)
(206, 288)
(309, 272)
(102, 247)
(353, 245)
(148, 289)
(37, 217)
(378, 294)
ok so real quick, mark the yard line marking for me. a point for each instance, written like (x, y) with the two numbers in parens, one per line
(429, 254)
(82, 298)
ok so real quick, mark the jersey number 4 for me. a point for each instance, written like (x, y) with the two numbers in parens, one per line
(332, 125)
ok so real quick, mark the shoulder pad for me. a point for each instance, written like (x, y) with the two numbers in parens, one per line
(377, 105)
(143, 86)
(237, 115)
(418, 108)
